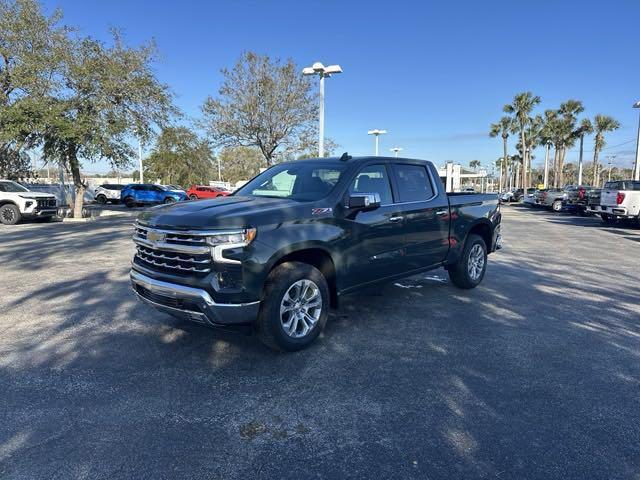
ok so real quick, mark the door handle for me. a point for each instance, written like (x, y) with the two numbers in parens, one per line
(395, 219)
(441, 212)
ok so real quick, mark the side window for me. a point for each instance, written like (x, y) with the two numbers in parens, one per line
(413, 183)
(373, 179)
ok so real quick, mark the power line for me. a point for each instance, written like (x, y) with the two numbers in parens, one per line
(605, 148)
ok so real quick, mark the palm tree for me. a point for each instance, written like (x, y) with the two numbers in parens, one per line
(503, 128)
(569, 111)
(586, 128)
(474, 164)
(520, 109)
(602, 124)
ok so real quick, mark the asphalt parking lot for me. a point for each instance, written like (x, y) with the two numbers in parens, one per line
(534, 374)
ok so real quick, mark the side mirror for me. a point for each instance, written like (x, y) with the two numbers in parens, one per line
(364, 201)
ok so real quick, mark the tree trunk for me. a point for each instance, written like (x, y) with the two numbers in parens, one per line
(563, 151)
(524, 159)
(596, 151)
(74, 166)
(555, 166)
(503, 165)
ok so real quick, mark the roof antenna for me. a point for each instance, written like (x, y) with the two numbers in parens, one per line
(345, 156)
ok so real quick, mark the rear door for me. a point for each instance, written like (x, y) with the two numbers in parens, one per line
(425, 215)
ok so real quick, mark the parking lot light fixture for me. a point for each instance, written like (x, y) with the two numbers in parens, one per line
(376, 132)
(636, 165)
(395, 150)
(323, 72)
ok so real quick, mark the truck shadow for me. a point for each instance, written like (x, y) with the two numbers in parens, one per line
(512, 378)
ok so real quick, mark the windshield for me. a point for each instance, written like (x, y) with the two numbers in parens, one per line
(9, 186)
(304, 181)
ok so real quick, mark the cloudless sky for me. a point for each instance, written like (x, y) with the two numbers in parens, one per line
(434, 74)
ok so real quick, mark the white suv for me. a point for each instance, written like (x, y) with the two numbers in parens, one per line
(620, 199)
(109, 192)
(17, 202)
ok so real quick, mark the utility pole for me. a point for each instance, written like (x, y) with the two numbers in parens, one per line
(610, 158)
(580, 159)
(636, 166)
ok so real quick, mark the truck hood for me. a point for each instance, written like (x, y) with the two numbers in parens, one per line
(224, 212)
(27, 195)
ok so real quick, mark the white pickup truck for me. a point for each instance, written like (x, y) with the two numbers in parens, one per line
(17, 202)
(620, 200)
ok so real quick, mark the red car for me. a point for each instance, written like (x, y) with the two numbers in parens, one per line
(197, 192)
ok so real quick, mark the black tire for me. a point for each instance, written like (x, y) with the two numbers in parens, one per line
(101, 199)
(9, 214)
(169, 200)
(607, 219)
(459, 273)
(129, 202)
(193, 197)
(556, 206)
(269, 325)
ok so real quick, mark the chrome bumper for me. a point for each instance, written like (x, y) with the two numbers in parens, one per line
(190, 303)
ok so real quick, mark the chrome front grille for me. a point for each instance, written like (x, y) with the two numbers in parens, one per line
(172, 251)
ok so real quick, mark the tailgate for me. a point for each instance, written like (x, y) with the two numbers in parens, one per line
(608, 198)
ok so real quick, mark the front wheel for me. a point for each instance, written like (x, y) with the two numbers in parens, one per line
(9, 214)
(129, 202)
(193, 197)
(101, 199)
(295, 307)
(469, 271)
(169, 200)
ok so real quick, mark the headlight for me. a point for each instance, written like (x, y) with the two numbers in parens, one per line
(232, 237)
(229, 239)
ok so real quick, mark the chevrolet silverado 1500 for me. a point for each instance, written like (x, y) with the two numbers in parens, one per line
(283, 249)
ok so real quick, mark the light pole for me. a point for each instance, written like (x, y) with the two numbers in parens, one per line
(376, 133)
(140, 159)
(396, 150)
(323, 72)
(636, 166)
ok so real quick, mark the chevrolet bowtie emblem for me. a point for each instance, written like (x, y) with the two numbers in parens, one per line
(155, 237)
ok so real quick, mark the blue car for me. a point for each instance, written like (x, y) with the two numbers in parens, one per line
(149, 194)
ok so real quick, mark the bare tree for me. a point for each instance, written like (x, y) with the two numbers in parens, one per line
(262, 103)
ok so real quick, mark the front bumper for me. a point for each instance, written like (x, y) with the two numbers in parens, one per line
(190, 303)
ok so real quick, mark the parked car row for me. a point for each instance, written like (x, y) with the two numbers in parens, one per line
(617, 200)
(136, 194)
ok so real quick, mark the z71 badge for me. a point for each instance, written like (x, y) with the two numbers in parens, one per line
(321, 211)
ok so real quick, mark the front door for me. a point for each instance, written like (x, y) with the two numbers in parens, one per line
(375, 248)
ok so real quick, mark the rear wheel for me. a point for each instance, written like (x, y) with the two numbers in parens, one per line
(129, 202)
(556, 206)
(470, 269)
(193, 197)
(295, 307)
(169, 200)
(9, 214)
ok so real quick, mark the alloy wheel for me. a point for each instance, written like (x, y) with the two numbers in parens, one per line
(476, 262)
(300, 308)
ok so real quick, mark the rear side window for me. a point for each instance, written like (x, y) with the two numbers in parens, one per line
(613, 186)
(413, 183)
(632, 185)
(373, 179)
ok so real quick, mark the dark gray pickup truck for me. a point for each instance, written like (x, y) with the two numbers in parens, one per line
(282, 250)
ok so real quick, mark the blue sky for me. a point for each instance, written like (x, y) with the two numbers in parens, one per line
(433, 74)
